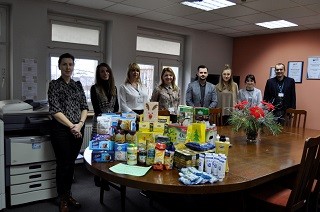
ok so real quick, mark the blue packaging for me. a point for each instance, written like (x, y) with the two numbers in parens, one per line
(102, 156)
(120, 151)
(101, 145)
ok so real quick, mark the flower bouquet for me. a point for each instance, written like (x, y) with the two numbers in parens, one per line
(252, 118)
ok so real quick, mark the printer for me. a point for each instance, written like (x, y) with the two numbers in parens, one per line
(18, 115)
(29, 157)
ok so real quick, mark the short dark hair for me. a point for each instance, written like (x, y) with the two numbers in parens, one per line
(202, 66)
(251, 77)
(65, 55)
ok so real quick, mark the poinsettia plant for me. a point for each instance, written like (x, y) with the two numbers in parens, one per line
(252, 118)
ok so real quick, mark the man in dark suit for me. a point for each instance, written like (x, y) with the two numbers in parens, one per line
(281, 92)
(201, 93)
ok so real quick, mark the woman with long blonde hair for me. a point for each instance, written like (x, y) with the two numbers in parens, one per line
(227, 91)
(133, 94)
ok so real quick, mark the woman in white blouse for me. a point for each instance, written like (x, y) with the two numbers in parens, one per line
(250, 93)
(133, 94)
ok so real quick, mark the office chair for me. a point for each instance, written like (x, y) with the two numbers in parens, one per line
(215, 116)
(294, 117)
(278, 198)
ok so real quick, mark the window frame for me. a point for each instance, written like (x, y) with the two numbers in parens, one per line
(77, 22)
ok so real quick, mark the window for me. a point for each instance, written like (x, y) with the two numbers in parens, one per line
(70, 34)
(82, 38)
(158, 46)
(155, 51)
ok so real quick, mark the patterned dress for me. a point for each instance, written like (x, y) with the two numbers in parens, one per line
(167, 97)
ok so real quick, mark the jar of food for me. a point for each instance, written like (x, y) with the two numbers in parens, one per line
(132, 154)
(142, 156)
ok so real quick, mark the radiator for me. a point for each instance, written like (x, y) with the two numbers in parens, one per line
(86, 137)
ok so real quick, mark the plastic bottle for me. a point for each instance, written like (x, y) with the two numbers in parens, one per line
(221, 167)
(201, 162)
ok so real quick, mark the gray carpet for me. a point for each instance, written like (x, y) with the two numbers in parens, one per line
(85, 191)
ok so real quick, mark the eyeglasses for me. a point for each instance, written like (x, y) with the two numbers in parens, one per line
(279, 69)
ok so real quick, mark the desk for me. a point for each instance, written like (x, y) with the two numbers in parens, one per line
(250, 164)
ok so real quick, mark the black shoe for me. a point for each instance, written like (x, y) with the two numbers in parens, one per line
(63, 206)
(73, 202)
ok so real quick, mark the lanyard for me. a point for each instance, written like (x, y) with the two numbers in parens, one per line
(280, 87)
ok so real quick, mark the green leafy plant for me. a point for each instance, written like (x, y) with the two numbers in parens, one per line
(252, 118)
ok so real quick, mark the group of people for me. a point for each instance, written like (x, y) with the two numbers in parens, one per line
(279, 90)
(68, 105)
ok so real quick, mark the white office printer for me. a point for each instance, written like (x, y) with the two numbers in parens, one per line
(14, 106)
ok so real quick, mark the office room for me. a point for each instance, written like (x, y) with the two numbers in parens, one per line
(211, 38)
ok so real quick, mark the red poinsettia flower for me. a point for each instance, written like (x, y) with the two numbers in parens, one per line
(268, 105)
(256, 112)
(241, 105)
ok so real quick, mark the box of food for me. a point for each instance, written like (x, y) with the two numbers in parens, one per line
(187, 157)
(201, 114)
(185, 115)
(102, 156)
(101, 145)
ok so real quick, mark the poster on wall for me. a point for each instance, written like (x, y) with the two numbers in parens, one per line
(29, 79)
(313, 71)
(272, 72)
(295, 70)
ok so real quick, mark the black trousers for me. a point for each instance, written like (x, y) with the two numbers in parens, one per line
(66, 148)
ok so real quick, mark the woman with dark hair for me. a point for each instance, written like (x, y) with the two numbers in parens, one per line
(250, 93)
(68, 106)
(227, 91)
(103, 93)
(167, 93)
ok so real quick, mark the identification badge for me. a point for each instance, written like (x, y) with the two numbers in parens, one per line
(280, 94)
(171, 110)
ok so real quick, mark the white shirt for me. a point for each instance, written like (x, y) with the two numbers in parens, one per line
(254, 97)
(131, 98)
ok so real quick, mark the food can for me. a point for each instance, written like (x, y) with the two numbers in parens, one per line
(132, 154)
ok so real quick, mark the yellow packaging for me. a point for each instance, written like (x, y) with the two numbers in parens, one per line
(197, 133)
(158, 127)
(144, 126)
(223, 147)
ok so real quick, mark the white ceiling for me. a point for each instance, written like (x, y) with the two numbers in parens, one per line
(235, 21)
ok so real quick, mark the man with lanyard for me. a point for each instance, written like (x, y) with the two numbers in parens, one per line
(201, 93)
(281, 92)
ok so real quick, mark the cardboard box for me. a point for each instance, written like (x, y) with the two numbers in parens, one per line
(101, 145)
(102, 156)
(201, 114)
(185, 115)
(187, 157)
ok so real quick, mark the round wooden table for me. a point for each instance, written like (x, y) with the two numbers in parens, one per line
(250, 164)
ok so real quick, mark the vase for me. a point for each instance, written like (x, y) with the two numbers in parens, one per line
(252, 136)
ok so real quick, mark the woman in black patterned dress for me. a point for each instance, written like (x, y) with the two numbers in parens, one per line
(68, 106)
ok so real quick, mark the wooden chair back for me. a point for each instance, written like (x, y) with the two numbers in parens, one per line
(308, 169)
(215, 116)
(163, 113)
(295, 117)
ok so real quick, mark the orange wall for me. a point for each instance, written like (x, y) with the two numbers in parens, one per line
(256, 54)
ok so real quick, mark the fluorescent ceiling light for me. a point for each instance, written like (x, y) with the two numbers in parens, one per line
(208, 5)
(276, 24)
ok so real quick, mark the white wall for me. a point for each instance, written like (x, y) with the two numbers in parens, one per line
(30, 37)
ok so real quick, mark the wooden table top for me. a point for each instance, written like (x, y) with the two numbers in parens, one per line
(249, 164)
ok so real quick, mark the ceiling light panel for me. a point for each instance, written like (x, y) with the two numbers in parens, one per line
(276, 24)
(208, 5)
